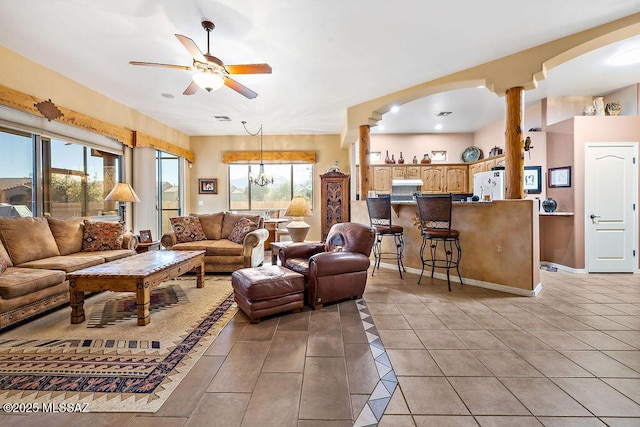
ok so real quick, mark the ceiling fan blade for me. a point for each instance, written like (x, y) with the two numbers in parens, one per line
(191, 46)
(242, 90)
(249, 69)
(155, 64)
(191, 89)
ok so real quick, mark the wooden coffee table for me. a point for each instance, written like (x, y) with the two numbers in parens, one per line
(138, 273)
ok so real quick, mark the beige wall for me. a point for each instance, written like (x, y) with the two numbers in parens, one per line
(210, 149)
(420, 144)
(563, 240)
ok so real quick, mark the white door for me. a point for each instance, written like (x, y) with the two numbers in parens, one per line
(611, 189)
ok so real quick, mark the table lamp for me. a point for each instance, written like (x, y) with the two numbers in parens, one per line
(298, 229)
(122, 193)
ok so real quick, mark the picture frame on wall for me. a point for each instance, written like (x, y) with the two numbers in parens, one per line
(208, 186)
(560, 177)
(533, 179)
(145, 236)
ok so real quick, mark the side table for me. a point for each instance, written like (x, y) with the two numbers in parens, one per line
(146, 247)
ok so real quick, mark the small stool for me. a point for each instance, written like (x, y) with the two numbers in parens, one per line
(267, 290)
(380, 219)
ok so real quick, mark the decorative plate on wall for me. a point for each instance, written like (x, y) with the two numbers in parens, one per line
(471, 154)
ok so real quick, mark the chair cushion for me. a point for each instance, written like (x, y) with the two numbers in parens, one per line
(102, 236)
(385, 229)
(68, 233)
(299, 265)
(187, 228)
(27, 239)
(440, 233)
(241, 229)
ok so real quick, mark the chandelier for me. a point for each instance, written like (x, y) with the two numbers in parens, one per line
(262, 179)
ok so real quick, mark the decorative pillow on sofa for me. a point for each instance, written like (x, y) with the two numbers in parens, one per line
(241, 229)
(3, 265)
(102, 236)
(230, 220)
(187, 229)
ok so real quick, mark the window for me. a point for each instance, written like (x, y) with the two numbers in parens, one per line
(168, 189)
(77, 179)
(16, 174)
(289, 180)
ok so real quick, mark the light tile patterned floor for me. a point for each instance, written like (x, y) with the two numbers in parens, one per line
(569, 357)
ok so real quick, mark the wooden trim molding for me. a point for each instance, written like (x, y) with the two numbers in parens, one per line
(21, 101)
(147, 141)
(269, 156)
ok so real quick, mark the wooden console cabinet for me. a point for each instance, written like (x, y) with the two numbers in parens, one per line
(334, 200)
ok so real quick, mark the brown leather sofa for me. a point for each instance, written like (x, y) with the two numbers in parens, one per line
(334, 270)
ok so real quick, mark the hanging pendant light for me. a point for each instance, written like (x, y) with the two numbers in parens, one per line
(262, 179)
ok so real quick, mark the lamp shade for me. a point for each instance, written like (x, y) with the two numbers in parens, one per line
(122, 192)
(298, 208)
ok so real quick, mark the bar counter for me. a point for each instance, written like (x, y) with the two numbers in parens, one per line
(499, 240)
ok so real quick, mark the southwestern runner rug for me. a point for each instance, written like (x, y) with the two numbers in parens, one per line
(108, 363)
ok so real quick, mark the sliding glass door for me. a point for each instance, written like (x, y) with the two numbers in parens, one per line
(168, 189)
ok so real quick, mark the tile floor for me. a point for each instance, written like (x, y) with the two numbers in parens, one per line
(569, 357)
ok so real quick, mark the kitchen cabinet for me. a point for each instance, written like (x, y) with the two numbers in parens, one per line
(455, 178)
(475, 168)
(413, 172)
(381, 179)
(432, 179)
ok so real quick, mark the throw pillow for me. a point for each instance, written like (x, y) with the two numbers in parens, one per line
(187, 229)
(241, 229)
(3, 265)
(102, 236)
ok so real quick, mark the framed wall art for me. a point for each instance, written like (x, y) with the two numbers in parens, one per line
(439, 155)
(533, 179)
(208, 186)
(560, 177)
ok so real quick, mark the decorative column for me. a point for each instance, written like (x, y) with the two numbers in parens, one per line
(365, 141)
(514, 145)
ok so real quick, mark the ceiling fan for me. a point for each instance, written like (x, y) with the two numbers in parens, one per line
(211, 73)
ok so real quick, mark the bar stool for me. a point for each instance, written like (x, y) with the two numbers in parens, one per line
(434, 212)
(380, 219)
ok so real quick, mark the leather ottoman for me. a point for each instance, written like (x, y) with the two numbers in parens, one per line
(267, 290)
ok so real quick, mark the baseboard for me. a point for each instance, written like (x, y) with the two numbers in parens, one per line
(472, 282)
(564, 267)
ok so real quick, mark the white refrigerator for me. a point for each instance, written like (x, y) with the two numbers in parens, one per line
(489, 184)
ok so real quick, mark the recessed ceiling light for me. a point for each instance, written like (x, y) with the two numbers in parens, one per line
(167, 95)
(626, 57)
(438, 126)
(395, 109)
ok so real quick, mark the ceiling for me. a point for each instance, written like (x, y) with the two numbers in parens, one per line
(326, 55)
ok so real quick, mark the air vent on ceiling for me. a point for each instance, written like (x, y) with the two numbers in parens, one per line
(222, 118)
(444, 113)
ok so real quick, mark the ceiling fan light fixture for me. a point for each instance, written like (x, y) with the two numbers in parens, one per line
(208, 81)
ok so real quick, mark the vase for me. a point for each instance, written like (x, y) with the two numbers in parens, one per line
(426, 159)
(401, 159)
(415, 160)
(612, 108)
(598, 105)
(549, 205)
(393, 159)
(387, 160)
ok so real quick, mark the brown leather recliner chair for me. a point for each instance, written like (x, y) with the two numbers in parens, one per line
(334, 270)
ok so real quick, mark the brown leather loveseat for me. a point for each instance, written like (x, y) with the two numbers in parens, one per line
(334, 270)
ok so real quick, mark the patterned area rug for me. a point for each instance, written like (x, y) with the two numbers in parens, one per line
(108, 362)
